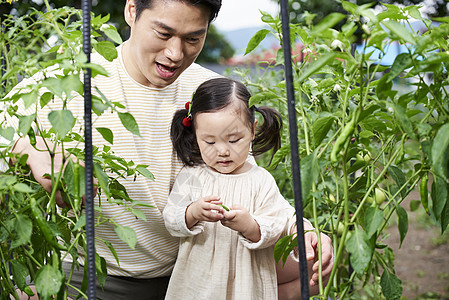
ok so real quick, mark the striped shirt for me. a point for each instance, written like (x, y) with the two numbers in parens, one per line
(153, 109)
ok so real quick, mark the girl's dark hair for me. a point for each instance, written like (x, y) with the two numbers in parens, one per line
(214, 95)
(213, 5)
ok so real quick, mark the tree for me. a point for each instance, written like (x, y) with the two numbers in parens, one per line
(321, 8)
(215, 48)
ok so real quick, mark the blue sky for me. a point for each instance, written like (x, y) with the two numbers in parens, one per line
(237, 14)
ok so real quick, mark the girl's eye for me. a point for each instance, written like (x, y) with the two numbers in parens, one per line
(210, 143)
(234, 141)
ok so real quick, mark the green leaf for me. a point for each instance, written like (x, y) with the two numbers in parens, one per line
(440, 150)
(22, 188)
(366, 134)
(106, 49)
(402, 223)
(127, 235)
(373, 220)
(45, 98)
(25, 123)
(280, 247)
(23, 227)
(111, 32)
(48, 281)
(100, 266)
(102, 178)
(320, 128)
(81, 223)
(440, 186)
(316, 66)
(399, 178)
(309, 173)
(391, 286)
(7, 133)
(96, 69)
(71, 83)
(256, 39)
(262, 96)
(62, 121)
(54, 85)
(111, 248)
(145, 172)
(327, 22)
(361, 250)
(400, 31)
(401, 62)
(440, 195)
(69, 179)
(138, 213)
(129, 122)
(29, 98)
(106, 133)
(279, 156)
(20, 272)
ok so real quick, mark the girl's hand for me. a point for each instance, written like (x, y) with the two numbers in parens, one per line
(205, 209)
(239, 219)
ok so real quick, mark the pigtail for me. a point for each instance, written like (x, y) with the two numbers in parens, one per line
(268, 135)
(183, 139)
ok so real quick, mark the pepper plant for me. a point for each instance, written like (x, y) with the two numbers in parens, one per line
(370, 132)
(35, 234)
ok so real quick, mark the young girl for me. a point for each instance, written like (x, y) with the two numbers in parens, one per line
(228, 211)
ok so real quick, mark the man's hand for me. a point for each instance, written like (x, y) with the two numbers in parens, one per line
(39, 161)
(327, 258)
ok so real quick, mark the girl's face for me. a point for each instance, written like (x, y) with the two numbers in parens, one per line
(224, 139)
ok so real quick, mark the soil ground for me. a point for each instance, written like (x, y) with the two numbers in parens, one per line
(422, 262)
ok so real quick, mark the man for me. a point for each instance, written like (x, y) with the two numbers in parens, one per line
(153, 76)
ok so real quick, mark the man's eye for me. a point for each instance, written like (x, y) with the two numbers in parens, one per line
(193, 40)
(163, 35)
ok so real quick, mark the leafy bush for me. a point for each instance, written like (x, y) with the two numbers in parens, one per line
(40, 43)
(369, 134)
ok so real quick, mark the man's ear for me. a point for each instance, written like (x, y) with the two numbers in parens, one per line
(130, 12)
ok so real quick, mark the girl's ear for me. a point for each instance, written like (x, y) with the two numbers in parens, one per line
(254, 130)
(130, 12)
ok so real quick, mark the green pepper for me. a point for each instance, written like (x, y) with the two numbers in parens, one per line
(43, 226)
(341, 140)
(424, 192)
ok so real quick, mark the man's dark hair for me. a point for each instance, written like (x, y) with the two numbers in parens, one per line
(213, 5)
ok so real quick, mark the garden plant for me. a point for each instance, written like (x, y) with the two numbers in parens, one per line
(365, 141)
(370, 132)
(35, 234)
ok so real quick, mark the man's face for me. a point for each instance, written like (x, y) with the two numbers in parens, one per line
(164, 40)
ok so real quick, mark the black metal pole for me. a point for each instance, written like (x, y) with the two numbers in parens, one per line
(89, 205)
(294, 148)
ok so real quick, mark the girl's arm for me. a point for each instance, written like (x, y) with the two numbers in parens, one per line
(239, 219)
(205, 209)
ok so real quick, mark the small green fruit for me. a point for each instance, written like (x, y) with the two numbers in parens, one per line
(225, 208)
(379, 196)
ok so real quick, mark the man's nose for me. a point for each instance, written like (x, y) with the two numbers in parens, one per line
(174, 49)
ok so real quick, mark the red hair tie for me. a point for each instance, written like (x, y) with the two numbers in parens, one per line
(187, 121)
